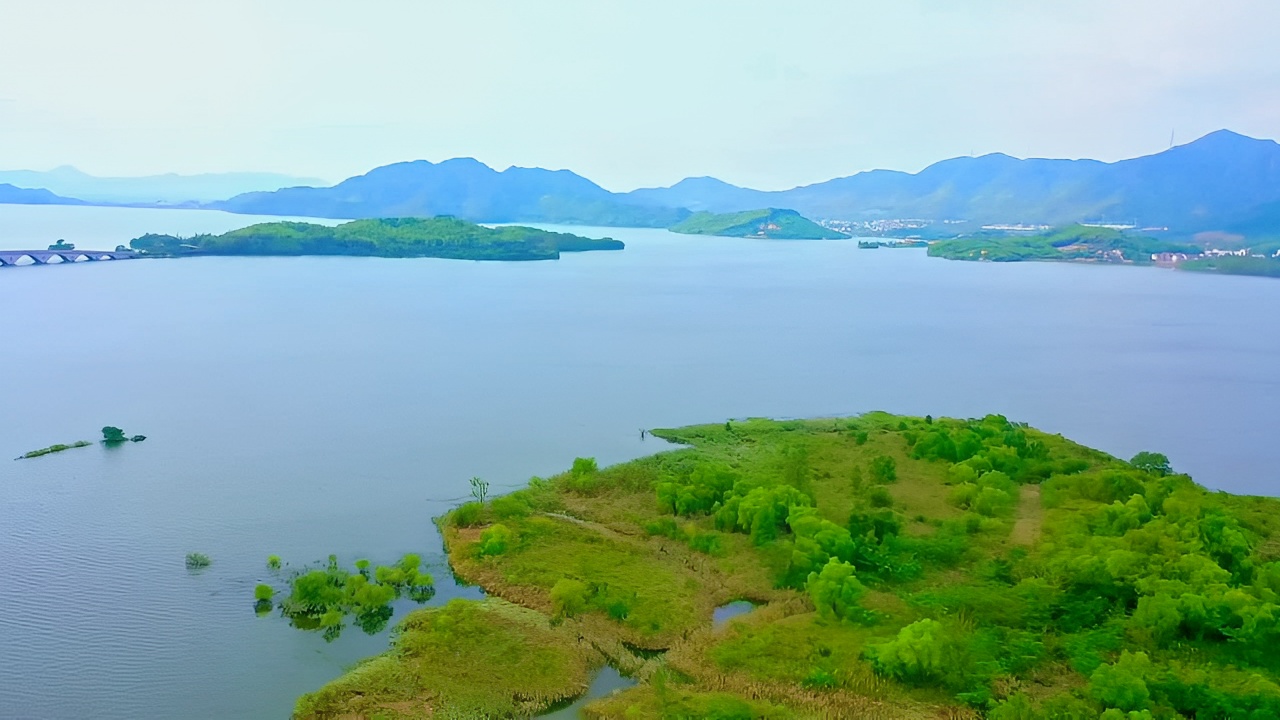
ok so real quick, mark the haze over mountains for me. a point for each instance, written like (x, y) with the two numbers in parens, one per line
(1223, 181)
(462, 187)
(11, 195)
(1212, 183)
(169, 188)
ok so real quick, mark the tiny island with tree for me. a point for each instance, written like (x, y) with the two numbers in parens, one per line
(110, 436)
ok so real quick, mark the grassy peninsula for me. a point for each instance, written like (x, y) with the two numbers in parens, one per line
(440, 237)
(769, 223)
(1078, 243)
(1235, 265)
(901, 568)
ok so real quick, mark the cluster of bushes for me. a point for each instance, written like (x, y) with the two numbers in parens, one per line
(322, 598)
(538, 496)
(1136, 688)
(1141, 563)
(571, 597)
(709, 542)
(990, 492)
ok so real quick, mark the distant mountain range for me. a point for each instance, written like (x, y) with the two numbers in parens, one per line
(1216, 182)
(167, 189)
(464, 188)
(1223, 181)
(22, 196)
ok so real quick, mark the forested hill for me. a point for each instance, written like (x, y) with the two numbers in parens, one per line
(1076, 242)
(769, 223)
(23, 196)
(441, 237)
(1216, 182)
(461, 187)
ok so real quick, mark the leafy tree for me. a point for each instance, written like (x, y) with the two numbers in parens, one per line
(263, 592)
(1154, 463)
(273, 562)
(112, 434)
(198, 560)
(835, 591)
(916, 654)
(1123, 685)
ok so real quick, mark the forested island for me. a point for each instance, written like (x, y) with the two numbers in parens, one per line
(769, 223)
(439, 237)
(1073, 243)
(900, 567)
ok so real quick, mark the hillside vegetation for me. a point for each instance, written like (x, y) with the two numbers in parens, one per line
(769, 223)
(1232, 265)
(901, 568)
(441, 237)
(1075, 242)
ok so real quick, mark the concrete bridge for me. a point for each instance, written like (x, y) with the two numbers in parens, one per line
(46, 257)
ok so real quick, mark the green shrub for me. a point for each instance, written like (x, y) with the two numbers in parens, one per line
(708, 543)
(273, 562)
(665, 526)
(879, 497)
(568, 598)
(468, 514)
(916, 654)
(263, 592)
(836, 592)
(820, 679)
(506, 507)
(1123, 685)
(584, 477)
(884, 469)
(198, 561)
(495, 540)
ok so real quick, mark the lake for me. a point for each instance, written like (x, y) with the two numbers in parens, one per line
(308, 406)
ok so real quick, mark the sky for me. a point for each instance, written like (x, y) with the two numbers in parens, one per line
(630, 94)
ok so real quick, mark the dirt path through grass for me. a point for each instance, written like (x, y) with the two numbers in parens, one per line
(1026, 529)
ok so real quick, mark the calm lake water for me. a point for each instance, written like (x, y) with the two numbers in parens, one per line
(308, 406)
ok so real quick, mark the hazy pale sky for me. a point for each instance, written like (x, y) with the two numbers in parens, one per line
(766, 94)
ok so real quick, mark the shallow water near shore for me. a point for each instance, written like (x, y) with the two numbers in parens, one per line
(308, 406)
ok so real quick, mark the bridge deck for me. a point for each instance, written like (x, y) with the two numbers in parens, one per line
(46, 257)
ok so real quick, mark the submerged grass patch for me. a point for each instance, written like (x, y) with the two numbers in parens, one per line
(467, 659)
(53, 449)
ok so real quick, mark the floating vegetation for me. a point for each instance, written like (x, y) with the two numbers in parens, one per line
(53, 449)
(324, 598)
(198, 561)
